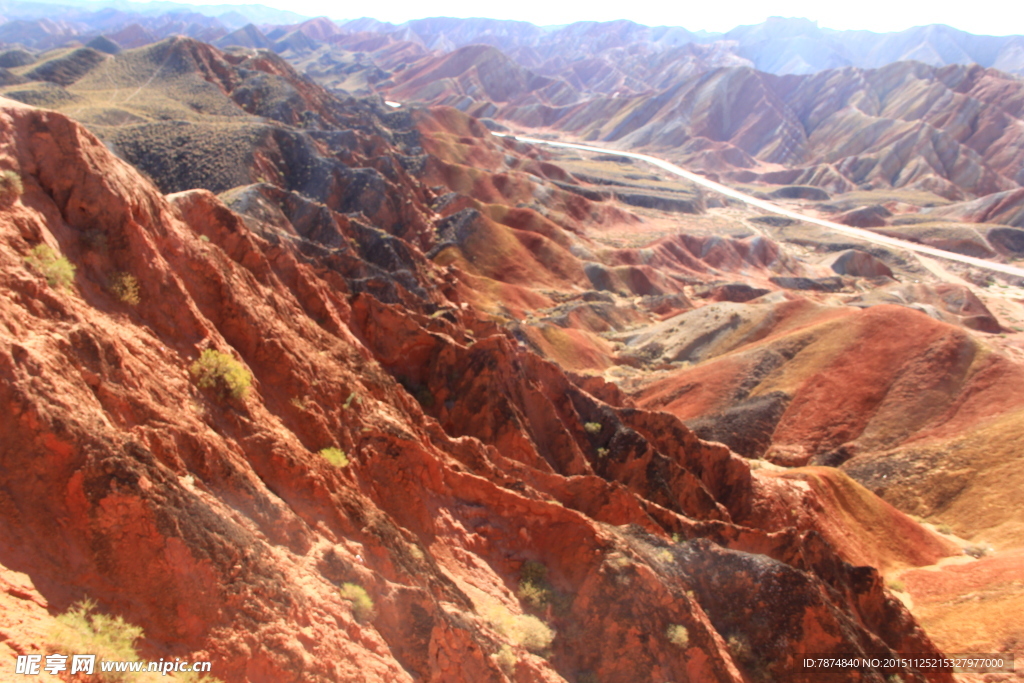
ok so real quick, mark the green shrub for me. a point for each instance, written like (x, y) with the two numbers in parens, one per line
(534, 572)
(219, 370)
(897, 586)
(534, 588)
(82, 630)
(58, 271)
(678, 634)
(593, 427)
(126, 288)
(11, 187)
(359, 599)
(335, 456)
(534, 596)
(602, 453)
(944, 529)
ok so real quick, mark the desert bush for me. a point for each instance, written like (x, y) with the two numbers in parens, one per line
(415, 553)
(58, 271)
(534, 588)
(532, 633)
(507, 660)
(82, 630)
(593, 427)
(897, 586)
(218, 370)
(739, 648)
(11, 187)
(944, 529)
(335, 456)
(533, 595)
(359, 599)
(126, 288)
(678, 634)
(524, 630)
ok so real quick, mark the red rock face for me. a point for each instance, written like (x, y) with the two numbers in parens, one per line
(216, 524)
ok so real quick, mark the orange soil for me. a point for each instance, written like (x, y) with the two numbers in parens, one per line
(974, 606)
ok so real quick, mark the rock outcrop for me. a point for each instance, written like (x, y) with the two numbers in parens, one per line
(858, 263)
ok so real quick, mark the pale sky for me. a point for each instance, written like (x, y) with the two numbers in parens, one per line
(874, 15)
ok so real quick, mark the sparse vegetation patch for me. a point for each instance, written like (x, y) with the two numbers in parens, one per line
(335, 456)
(678, 635)
(58, 271)
(359, 599)
(82, 629)
(218, 370)
(534, 589)
(126, 288)
(507, 660)
(524, 630)
(10, 187)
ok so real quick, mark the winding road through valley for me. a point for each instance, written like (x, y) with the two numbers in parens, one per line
(859, 233)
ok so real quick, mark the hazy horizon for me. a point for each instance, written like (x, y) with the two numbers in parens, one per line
(874, 15)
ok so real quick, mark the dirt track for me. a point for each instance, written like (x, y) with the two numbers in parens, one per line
(859, 233)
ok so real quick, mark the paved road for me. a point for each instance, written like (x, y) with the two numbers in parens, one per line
(859, 233)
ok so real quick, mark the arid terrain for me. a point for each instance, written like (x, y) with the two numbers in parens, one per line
(306, 372)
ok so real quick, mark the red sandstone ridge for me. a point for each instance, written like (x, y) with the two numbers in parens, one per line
(215, 524)
(795, 383)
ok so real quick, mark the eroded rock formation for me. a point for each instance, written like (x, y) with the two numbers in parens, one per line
(216, 523)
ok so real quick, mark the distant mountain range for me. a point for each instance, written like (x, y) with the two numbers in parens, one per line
(930, 108)
(778, 46)
(98, 14)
